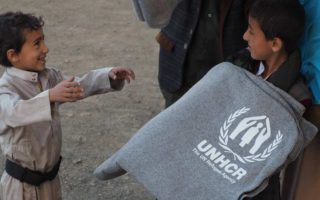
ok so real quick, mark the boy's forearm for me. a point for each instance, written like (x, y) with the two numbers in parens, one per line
(98, 82)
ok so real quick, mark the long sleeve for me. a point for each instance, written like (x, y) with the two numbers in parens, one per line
(97, 82)
(15, 112)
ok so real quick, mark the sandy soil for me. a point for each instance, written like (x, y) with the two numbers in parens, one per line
(84, 35)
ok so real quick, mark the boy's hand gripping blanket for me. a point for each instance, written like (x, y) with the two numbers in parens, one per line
(221, 140)
(156, 13)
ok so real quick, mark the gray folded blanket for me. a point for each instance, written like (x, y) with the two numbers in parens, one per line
(155, 13)
(221, 140)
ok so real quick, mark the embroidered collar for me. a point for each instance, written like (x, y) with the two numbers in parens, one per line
(25, 75)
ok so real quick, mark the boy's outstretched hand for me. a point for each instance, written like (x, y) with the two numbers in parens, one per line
(121, 74)
(66, 91)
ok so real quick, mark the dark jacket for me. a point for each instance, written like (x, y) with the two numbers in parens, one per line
(284, 78)
(175, 38)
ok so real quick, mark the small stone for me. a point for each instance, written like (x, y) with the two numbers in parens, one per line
(92, 183)
(69, 115)
(77, 161)
(85, 114)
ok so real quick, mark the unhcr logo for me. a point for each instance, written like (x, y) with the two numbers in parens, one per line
(254, 131)
(249, 134)
(218, 161)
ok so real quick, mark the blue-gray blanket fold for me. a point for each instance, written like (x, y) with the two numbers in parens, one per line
(220, 141)
(155, 13)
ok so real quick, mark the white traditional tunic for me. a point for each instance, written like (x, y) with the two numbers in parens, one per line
(30, 129)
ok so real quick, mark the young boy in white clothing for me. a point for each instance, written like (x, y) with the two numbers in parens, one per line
(30, 94)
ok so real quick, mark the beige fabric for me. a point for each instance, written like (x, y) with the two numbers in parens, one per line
(15, 190)
(30, 130)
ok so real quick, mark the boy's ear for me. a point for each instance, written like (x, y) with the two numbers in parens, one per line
(12, 56)
(277, 44)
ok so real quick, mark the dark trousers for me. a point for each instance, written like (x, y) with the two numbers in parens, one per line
(272, 192)
(170, 98)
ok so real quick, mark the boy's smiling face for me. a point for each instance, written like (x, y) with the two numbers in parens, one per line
(32, 56)
(260, 48)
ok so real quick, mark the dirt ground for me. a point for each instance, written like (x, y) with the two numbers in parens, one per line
(84, 35)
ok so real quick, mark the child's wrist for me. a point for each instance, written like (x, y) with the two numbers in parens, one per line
(116, 84)
(51, 98)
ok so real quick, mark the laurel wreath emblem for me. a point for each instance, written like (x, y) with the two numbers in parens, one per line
(224, 137)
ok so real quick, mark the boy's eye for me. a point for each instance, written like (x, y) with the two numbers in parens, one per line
(37, 43)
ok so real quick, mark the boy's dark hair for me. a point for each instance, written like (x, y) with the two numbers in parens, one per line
(284, 19)
(12, 27)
